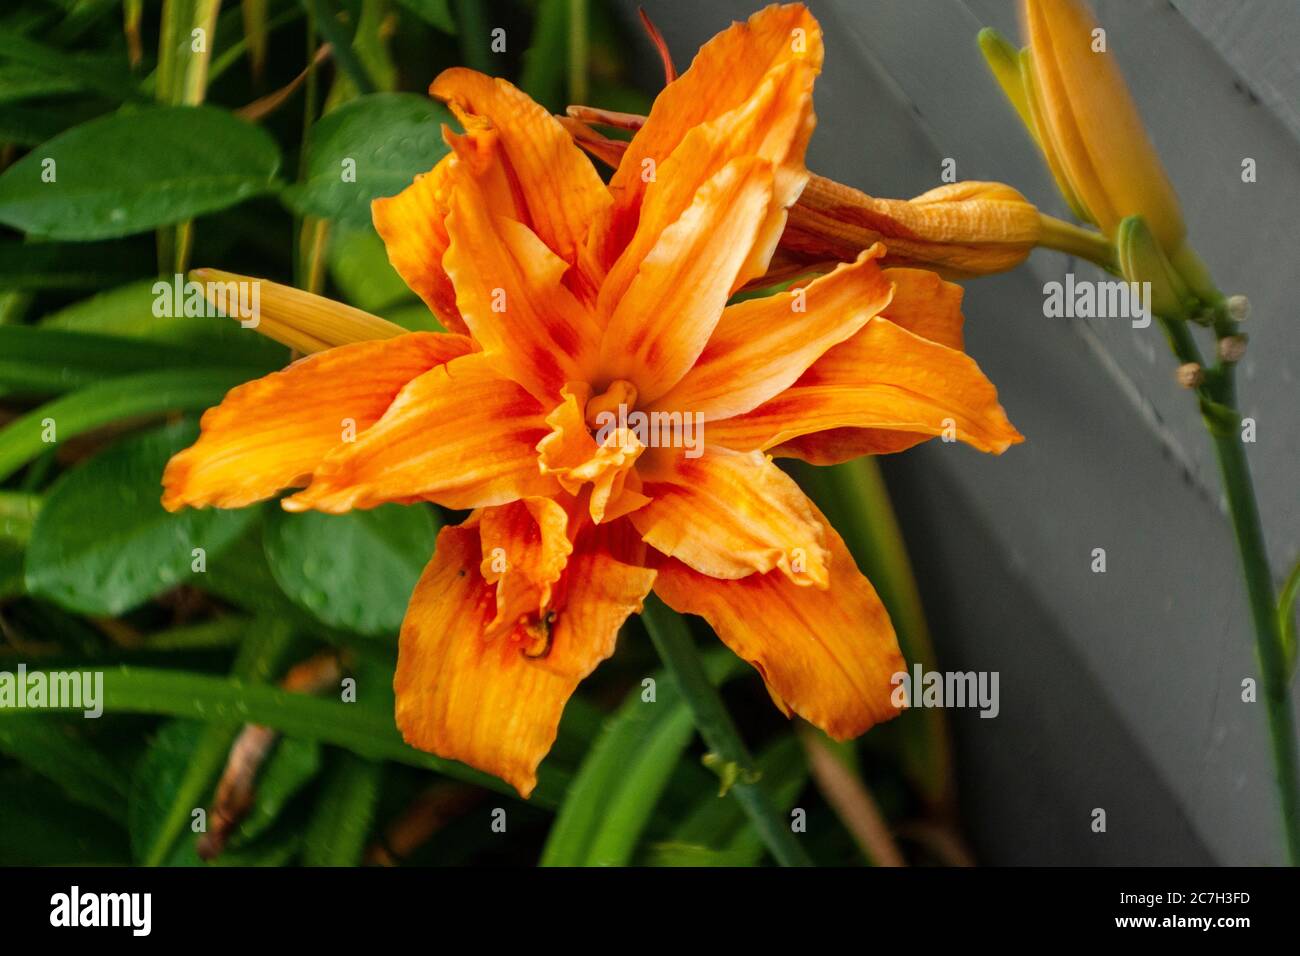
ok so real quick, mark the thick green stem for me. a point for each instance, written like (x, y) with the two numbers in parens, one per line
(673, 642)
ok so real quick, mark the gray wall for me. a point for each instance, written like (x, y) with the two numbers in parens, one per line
(1119, 690)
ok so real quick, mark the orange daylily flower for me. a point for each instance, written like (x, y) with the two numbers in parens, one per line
(575, 305)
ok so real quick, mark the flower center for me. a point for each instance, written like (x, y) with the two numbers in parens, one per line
(620, 393)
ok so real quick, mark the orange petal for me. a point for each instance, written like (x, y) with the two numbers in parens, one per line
(662, 323)
(509, 289)
(773, 124)
(462, 435)
(525, 548)
(559, 187)
(762, 346)
(883, 378)
(729, 514)
(726, 74)
(829, 656)
(412, 225)
(926, 305)
(496, 703)
(271, 433)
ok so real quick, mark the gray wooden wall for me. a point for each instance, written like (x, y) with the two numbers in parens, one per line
(1119, 690)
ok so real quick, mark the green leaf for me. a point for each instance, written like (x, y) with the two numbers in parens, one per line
(616, 788)
(354, 571)
(715, 832)
(344, 814)
(261, 656)
(50, 361)
(129, 396)
(91, 72)
(30, 267)
(60, 752)
(436, 13)
(132, 171)
(128, 312)
(366, 731)
(103, 544)
(391, 138)
(359, 266)
(40, 827)
(291, 766)
(172, 779)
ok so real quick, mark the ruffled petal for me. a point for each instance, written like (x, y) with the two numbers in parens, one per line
(559, 189)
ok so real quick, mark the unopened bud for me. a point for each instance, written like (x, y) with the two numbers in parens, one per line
(1191, 375)
(1238, 308)
(1232, 348)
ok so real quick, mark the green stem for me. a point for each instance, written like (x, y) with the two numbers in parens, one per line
(1269, 649)
(673, 642)
(1071, 239)
(340, 44)
(577, 51)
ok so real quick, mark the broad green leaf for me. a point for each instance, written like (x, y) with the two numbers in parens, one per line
(373, 146)
(58, 750)
(129, 396)
(414, 317)
(103, 543)
(51, 361)
(12, 583)
(359, 267)
(132, 171)
(33, 266)
(344, 814)
(436, 13)
(128, 312)
(354, 571)
(244, 579)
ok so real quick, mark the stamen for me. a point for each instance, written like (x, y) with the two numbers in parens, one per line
(657, 38)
